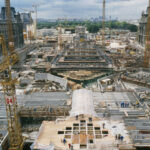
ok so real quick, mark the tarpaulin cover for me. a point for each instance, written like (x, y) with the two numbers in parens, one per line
(39, 146)
(82, 103)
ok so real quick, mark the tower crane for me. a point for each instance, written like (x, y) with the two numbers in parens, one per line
(147, 41)
(8, 83)
(35, 6)
(104, 20)
(60, 42)
(146, 62)
(9, 58)
(103, 24)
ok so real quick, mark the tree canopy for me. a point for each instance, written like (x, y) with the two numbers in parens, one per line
(92, 27)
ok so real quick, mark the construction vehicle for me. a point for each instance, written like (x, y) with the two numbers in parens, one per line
(9, 58)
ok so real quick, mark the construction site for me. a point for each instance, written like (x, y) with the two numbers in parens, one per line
(73, 91)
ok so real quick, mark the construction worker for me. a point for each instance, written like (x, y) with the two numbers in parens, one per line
(69, 146)
(64, 141)
(122, 105)
(121, 138)
(76, 117)
(116, 137)
(90, 119)
(103, 125)
(104, 115)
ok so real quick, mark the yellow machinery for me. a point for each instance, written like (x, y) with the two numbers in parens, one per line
(82, 39)
(9, 58)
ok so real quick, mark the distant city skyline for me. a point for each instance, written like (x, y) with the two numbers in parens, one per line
(53, 9)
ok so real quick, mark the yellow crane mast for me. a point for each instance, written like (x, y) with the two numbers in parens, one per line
(103, 24)
(60, 42)
(9, 58)
(8, 83)
(11, 47)
(35, 6)
(147, 41)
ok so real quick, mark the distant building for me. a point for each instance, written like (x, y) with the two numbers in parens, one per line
(142, 27)
(81, 32)
(47, 32)
(26, 19)
(17, 27)
(28, 26)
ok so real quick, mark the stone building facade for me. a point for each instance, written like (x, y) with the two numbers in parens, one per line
(17, 27)
(142, 27)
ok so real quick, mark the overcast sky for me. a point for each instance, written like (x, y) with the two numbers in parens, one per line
(51, 9)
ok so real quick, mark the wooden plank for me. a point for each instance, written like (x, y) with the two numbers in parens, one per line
(90, 136)
(126, 147)
(75, 139)
(131, 128)
(83, 139)
(126, 114)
